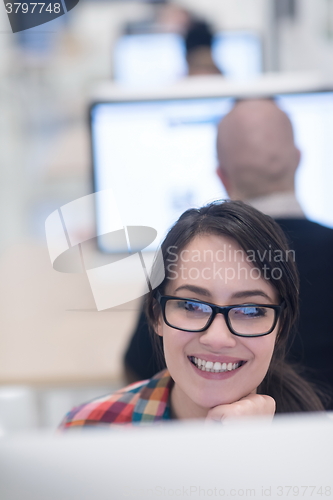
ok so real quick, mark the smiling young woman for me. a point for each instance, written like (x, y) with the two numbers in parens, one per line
(224, 311)
(224, 361)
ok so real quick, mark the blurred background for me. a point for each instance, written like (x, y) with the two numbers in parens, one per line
(56, 350)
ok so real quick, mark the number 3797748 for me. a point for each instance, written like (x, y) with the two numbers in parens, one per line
(32, 8)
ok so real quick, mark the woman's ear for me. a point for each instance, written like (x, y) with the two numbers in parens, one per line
(159, 326)
(278, 335)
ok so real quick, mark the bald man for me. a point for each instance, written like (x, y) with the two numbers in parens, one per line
(258, 157)
(257, 160)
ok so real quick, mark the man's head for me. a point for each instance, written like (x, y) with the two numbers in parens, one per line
(198, 44)
(256, 150)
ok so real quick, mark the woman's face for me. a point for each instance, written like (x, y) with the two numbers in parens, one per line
(213, 269)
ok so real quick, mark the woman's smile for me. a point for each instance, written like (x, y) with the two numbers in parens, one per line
(215, 370)
(222, 364)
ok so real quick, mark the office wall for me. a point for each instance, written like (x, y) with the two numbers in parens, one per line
(306, 43)
(230, 15)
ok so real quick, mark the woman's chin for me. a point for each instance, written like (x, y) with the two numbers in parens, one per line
(211, 402)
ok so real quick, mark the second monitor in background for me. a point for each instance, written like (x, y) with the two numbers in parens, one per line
(159, 58)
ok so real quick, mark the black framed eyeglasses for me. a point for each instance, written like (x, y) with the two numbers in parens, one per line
(244, 320)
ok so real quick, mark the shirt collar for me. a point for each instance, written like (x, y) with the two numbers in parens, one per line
(282, 205)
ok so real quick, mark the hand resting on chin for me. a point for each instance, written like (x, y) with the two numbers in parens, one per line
(248, 406)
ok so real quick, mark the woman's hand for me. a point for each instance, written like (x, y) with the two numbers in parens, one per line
(249, 406)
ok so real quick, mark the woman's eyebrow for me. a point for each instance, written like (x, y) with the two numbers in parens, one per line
(237, 295)
(251, 293)
(195, 289)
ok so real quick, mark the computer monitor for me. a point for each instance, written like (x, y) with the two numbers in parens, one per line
(148, 59)
(158, 154)
(238, 54)
(289, 458)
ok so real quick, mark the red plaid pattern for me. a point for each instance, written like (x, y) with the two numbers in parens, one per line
(141, 402)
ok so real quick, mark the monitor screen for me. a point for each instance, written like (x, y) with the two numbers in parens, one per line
(159, 58)
(238, 54)
(159, 156)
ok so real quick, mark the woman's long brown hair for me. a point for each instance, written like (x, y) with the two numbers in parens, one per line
(261, 237)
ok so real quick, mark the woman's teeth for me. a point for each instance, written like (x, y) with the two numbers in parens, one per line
(217, 367)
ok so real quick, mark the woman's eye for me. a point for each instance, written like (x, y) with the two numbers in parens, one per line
(250, 312)
(189, 306)
(193, 307)
(182, 304)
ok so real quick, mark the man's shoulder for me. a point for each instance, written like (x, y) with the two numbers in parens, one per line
(116, 408)
(304, 228)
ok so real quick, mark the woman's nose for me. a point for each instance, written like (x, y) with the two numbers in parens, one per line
(218, 334)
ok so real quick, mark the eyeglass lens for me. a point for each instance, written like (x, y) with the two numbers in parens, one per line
(245, 320)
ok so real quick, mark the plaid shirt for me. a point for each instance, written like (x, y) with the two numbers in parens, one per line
(141, 402)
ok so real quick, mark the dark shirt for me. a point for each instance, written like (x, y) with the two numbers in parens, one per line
(312, 346)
